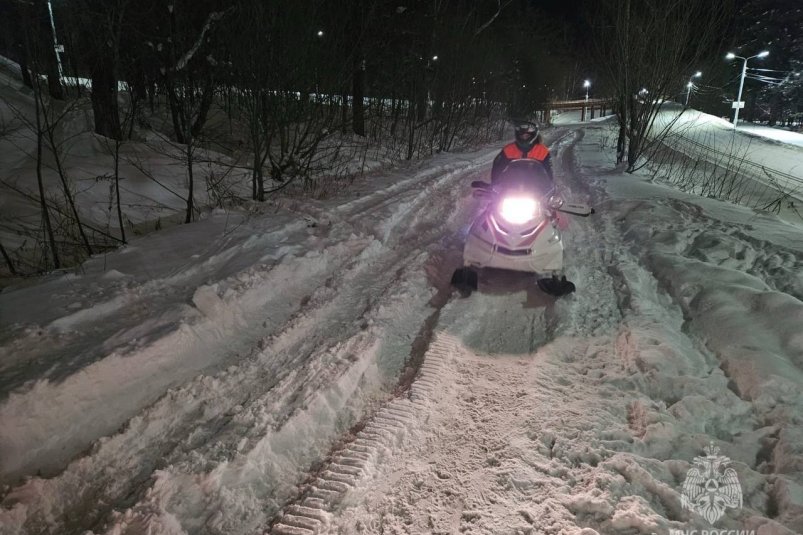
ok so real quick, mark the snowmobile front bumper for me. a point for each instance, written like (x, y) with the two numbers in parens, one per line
(543, 256)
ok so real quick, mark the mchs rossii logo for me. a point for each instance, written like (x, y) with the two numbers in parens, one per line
(711, 487)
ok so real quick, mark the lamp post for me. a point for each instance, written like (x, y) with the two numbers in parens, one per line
(320, 35)
(690, 85)
(738, 103)
(587, 85)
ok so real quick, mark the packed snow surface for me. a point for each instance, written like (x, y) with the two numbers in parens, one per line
(202, 379)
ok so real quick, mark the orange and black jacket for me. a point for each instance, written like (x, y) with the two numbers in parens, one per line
(513, 152)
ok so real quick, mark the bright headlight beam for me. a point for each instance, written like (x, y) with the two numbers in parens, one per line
(518, 210)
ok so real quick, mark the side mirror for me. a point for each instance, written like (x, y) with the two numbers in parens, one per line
(555, 201)
(479, 184)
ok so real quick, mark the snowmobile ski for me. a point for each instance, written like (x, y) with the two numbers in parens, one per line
(465, 281)
(556, 287)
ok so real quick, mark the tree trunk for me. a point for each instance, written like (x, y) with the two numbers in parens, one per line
(421, 99)
(411, 125)
(152, 96)
(344, 109)
(358, 94)
(634, 139)
(24, 69)
(104, 97)
(396, 106)
(65, 184)
(117, 188)
(176, 114)
(621, 142)
(203, 108)
(8, 260)
(254, 172)
(42, 201)
(190, 186)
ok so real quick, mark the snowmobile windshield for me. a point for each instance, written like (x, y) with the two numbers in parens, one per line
(526, 176)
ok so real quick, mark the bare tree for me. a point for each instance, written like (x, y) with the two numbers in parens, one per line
(190, 90)
(645, 48)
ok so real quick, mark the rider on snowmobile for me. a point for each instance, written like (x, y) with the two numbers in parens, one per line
(528, 145)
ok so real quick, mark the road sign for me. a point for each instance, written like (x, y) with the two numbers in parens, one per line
(739, 105)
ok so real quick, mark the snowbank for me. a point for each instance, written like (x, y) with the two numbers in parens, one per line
(778, 154)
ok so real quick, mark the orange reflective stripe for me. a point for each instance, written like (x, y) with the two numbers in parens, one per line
(539, 152)
(512, 152)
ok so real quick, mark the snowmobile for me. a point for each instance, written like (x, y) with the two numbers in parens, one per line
(518, 229)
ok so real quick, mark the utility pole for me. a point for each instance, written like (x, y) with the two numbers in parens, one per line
(587, 85)
(738, 104)
(57, 48)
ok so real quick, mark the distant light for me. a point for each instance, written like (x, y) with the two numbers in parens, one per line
(320, 33)
(763, 54)
(587, 84)
(643, 90)
(690, 84)
(730, 55)
(698, 74)
(434, 58)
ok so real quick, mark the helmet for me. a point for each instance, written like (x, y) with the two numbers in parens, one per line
(526, 135)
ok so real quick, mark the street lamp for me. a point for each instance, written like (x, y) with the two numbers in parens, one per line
(737, 105)
(587, 85)
(319, 33)
(690, 85)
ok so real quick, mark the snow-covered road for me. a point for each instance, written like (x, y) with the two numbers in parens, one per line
(583, 417)
(262, 381)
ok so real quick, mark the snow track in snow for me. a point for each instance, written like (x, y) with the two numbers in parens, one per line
(351, 465)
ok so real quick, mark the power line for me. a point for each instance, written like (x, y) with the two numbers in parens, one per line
(768, 70)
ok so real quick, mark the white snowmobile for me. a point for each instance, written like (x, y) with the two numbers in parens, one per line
(518, 229)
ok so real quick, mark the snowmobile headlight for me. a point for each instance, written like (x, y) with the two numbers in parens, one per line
(518, 210)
